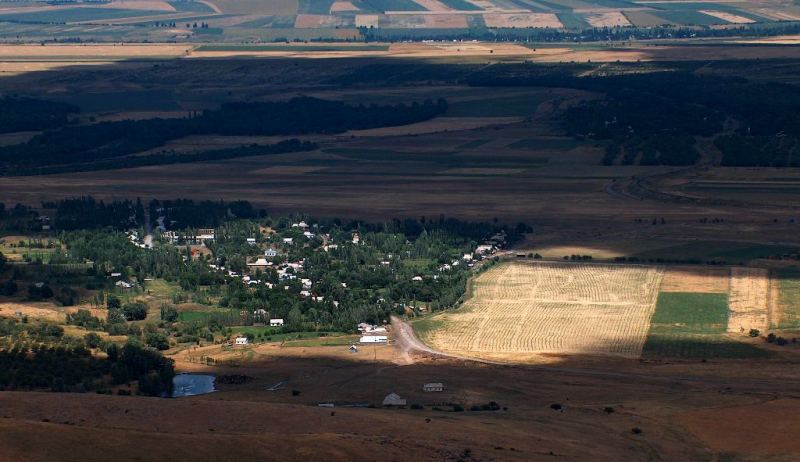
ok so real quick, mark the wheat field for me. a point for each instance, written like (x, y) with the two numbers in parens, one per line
(553, 308)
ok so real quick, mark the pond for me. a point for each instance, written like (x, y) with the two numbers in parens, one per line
(192, 384)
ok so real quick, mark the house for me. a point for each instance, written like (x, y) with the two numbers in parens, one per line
(241, 341)
(123, 284)
(356, 238)
(251, 241)
(373, 339)
(484, 249)
(306, 283)
(417, 278)
(276, 322)
(308, 234)
(393, 399)
(259, 263)
(205, 234)
(270, 253)
(432, 387)
(467, 257)
(288, 240)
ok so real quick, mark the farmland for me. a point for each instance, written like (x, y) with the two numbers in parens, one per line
(529, 309)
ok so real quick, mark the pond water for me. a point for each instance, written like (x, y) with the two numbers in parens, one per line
(192, 384)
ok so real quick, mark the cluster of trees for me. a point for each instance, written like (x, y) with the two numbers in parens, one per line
(40, 356)
(593, 34)
(654, 118)
(103, 145)
(27, 114)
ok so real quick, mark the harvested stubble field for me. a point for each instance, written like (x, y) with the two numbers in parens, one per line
(749, 307)
(553, 308)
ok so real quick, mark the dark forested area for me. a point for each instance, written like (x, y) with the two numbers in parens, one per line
(654, 117)
(27, 114)
(102, 145)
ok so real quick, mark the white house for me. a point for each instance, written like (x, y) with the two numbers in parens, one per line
(416, 278)
(288, 240)
(374, 339)
(277, 322)
(241, 341)
(270, 253)
(251, 241)
(484, 249)
(356, 238)
(306, 283)
(434, 386)
(308, 234)
(467, 257)
(123, 284)
(393, 399)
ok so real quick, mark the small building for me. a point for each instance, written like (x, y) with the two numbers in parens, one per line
(288, 240)
(123, 285)
(393, 399)
(259, 263)
(432, 387)
(373, 339)
(251, 241)
(270, 253)
(276, 322)
(241, 340)
(417, 278)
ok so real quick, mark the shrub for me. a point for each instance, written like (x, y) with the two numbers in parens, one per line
(555, 407)
(295, 392)
(92, 340)
(755, 332)
(134, 311)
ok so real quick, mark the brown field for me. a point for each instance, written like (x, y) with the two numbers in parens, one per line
(730, 17)
(694, 279)
(340, 6)
(545, 20)
(433, 5)
(523, 310)
(35, 310)
(272, 7)
(749, 300)
(608, 19)
(314, 21)
(367, 20)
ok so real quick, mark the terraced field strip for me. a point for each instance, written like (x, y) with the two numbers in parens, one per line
(749, 299)
(553, 308)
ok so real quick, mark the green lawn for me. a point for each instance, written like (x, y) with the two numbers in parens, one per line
(323, 341)
(789, 293)
(693, 325)
(690, 313)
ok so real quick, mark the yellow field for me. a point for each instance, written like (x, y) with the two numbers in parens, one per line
(553, 308)
(748, 302)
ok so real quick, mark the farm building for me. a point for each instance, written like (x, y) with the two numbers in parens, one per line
(431, 387)
(123, 284)
(241, 341)
(277, 322)
(374, 339)
(393, 399)
(259, 263)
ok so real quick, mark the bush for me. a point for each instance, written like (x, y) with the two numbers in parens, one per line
(458, 408)
(755, 332)
(636, 431)
(295, 392)
(92, 340)
(556, 407)
(157, 341)
(169, 313)
(417, 406)
(135, 311)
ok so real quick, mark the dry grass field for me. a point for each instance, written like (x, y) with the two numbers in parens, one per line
(749, 300)
(694, 279)
(553, 308)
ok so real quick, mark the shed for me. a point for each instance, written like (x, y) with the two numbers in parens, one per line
(374, 339)
(241, 341)
(276, 322)
(433, 386)
(393, 399)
